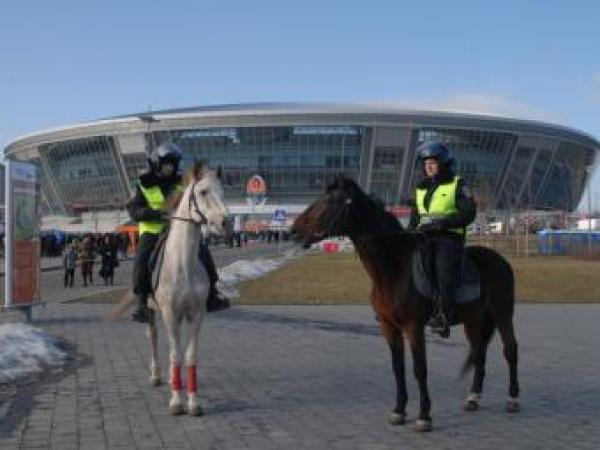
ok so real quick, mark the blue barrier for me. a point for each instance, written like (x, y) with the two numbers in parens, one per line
(567, 242)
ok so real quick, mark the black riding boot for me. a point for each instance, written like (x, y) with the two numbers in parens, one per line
(216, 301)
(141, 313)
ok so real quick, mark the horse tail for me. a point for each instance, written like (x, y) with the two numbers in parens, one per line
(123, 306)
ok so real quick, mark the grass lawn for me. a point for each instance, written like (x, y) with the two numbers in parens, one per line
(340, 278)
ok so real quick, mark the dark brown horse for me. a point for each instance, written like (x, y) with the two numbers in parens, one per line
(385, 250)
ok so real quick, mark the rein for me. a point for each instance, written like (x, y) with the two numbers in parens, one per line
(203, 221)
(416, 234)
(343, 214)
(192, 200)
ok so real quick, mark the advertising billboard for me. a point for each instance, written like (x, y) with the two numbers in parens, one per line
(22, 227)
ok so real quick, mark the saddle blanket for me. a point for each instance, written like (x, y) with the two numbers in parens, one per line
(469, 288)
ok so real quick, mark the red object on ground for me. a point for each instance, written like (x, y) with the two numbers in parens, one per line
(331, 247)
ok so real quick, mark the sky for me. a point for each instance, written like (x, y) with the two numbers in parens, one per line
(63, 62)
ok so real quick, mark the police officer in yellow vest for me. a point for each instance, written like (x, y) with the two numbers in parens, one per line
(147, 208)
(443, 209)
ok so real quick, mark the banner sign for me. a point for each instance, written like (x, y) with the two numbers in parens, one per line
(22, 244)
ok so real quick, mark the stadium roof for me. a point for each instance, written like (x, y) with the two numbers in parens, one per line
(274, 114)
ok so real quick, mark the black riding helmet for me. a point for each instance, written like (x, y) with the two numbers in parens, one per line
(165, 153)
(435, 150)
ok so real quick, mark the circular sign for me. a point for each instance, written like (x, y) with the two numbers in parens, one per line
(256, 186)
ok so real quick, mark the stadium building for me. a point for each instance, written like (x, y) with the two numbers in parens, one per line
(298, 148)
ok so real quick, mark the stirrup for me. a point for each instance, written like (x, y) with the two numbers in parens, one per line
(217, 303)
(141, 315)
(440, 325)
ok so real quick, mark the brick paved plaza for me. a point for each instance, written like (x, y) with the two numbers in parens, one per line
(306, 377)
(312, 377)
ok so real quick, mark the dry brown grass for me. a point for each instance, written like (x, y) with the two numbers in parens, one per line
(341, 279)
(557, 279)
(312, 279)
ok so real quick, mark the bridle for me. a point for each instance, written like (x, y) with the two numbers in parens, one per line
(342, 216)
(193, 201)
(341, 219)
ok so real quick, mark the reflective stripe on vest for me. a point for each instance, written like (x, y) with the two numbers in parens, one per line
(442, 204)
(156, 201)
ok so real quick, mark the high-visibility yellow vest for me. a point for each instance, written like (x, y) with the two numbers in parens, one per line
(442, 204)
(156, 201)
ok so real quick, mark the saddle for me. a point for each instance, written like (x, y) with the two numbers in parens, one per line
(469, 288)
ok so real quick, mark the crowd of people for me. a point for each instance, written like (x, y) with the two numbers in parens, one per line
(84, 250)
(54, 243)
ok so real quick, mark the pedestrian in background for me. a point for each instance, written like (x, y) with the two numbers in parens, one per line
(86, 257)
(69, 262)
(108, 251)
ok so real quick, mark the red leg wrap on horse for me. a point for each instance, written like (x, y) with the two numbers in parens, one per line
(176, 378)
(190, 378)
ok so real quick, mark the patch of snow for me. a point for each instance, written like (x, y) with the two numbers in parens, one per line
(242, 270)
(26, 350)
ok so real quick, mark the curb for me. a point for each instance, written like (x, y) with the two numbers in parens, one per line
(108, 296)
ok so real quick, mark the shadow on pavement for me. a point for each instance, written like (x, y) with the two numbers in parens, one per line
(322, 325)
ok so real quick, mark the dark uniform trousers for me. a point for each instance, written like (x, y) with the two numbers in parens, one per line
(142, 277)
(142, 283)
(446, 252)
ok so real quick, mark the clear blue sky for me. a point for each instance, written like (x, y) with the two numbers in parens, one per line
(66, 61)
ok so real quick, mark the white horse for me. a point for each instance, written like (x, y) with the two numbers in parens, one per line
(183, 284)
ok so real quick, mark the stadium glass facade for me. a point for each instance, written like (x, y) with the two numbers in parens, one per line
(298, 149)
(294, 160)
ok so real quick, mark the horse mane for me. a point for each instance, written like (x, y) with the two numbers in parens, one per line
(384, 244)
(193, 174)
(372, 209)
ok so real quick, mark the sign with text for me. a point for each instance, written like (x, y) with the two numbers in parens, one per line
(279, 215)
(22, 254)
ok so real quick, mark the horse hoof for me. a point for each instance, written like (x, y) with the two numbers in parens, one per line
(470, 405)
(422, 426)
(176, 409)
(513, 406)
(396, 418)
(155, 382)
(196, 411)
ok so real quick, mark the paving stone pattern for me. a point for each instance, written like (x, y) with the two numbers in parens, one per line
(306, 377)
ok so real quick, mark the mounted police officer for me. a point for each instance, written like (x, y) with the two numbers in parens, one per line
(444, 207)
(147, 207)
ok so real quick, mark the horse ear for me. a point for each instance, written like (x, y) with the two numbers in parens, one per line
(198, 169)
(220, 172)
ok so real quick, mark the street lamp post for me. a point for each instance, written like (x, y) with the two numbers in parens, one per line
(343, 148)
(149, 119)
(588, 170)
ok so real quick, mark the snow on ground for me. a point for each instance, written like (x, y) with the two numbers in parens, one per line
(25, 351)
(243, 270)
